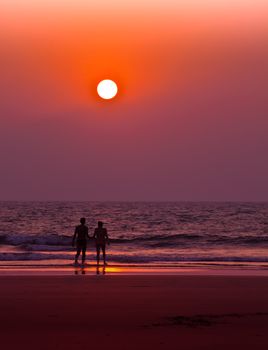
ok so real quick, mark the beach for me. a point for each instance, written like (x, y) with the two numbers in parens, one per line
(134, 311)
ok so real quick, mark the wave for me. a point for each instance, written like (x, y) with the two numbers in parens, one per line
(28, 256)
(55, 242)
(159, 237)
(63, 240)
(52, 239)
(137, 259)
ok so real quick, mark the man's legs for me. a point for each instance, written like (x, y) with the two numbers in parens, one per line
(84, 249)
(78, 251)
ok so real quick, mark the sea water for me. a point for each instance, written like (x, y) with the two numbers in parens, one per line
(141, 233)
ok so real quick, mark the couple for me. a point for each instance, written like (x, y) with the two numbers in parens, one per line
(81, 236)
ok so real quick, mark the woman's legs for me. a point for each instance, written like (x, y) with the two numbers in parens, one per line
(98, 248)
(98, 253)
(103, 253)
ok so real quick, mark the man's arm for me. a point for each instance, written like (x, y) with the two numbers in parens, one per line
(74, 236)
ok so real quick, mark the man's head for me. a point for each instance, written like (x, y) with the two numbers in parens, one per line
(83, 220)
(100, 224)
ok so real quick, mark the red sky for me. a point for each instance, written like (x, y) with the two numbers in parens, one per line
(191, 118)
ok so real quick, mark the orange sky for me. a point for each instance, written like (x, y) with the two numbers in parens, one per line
(168, 57)
(70, 45)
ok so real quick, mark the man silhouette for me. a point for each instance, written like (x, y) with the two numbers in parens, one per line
(80, 238)
(101, 238)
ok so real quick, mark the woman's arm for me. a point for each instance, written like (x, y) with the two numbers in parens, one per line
(94, 234)
(107, 237)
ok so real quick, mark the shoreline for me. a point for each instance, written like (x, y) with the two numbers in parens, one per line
(132, 269)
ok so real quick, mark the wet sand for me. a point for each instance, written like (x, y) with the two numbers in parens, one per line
(134, 312)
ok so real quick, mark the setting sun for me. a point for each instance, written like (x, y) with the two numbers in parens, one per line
(107, 89)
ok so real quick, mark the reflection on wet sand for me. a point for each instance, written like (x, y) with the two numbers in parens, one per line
(115, 270)
(80, 270)
(100, 271)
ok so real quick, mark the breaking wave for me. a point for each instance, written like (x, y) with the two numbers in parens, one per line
(56, 242)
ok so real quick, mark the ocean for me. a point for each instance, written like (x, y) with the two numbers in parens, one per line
(141, 233)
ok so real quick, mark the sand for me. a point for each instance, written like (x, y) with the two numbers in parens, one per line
(133, 312)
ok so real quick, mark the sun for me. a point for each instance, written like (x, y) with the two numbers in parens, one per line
(107, 89)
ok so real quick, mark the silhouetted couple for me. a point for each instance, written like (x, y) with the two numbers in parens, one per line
(81, 238)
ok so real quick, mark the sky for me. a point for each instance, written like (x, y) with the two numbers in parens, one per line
(190, 121)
